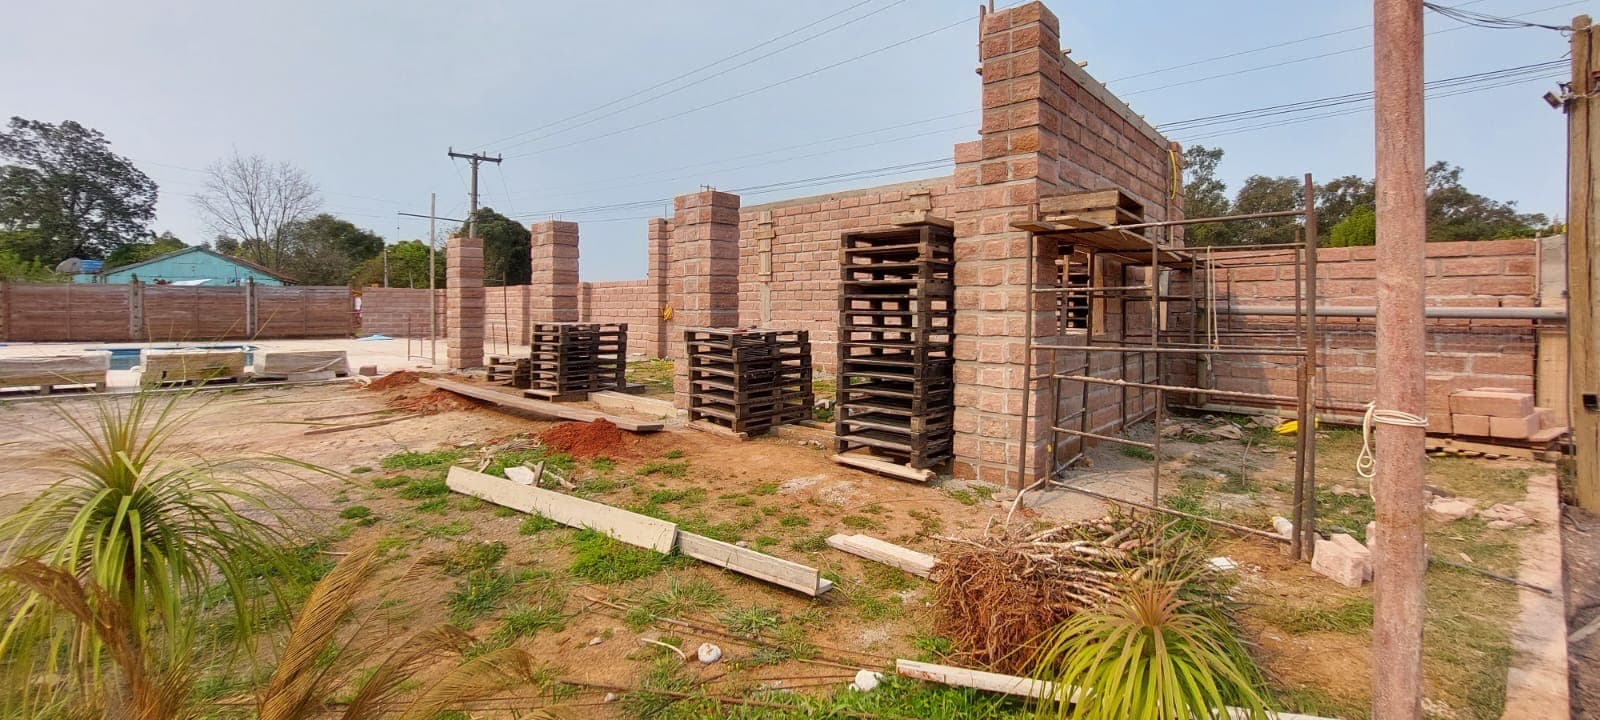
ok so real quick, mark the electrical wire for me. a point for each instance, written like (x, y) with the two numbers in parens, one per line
(682, 75)
(1485, 20)
(718, 74)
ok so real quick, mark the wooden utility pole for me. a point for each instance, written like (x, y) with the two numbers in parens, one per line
(475, 159)
(1399, 557)
(1583, 263)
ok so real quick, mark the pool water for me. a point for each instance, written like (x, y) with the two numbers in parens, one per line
(127, 358)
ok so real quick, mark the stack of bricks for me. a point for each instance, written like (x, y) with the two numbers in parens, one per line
(1502, 414)
(464, 301)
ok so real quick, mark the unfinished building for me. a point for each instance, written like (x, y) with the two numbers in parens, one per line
(1150, 325)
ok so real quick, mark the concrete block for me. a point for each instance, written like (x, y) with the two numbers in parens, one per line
(1448, 509)
(1342, 559)
(1473, 425)
(368, 371)
(1518, 428)
(1547, 417)
(1492, 403)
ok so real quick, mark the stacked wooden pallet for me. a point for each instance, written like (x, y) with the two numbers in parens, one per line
(513, 371)
(570, 360)
(748, 381)
(896, 318)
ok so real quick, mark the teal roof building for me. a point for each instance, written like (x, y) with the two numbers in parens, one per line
(194, 266)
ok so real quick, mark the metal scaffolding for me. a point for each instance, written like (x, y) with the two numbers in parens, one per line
(1074, 356)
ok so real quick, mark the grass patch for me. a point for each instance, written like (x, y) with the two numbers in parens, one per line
(1138, 453)
(528, 621)
(672, 454)
(419, 488)
(476, 595)
(794, 520)
(360, 470)
(859, 522)
(602, 465)
(665, 468)
(437, 506)
(874, 609)
(766, 488)
(410, 460)
(1351, 617)
(654, 375)
(356, 512)
(600, 559)
(389, 481)
(454, 528)
(751, 622)
(811, 543)
(536, 524)
(469, 557)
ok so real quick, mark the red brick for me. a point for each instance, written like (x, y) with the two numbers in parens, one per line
(1514, 428)
(1471, 425)
(1491, 403)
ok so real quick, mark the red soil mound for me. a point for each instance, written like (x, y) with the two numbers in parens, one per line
(394, 380)
(600, 438)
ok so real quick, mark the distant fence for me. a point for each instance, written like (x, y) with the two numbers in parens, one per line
(140, 312)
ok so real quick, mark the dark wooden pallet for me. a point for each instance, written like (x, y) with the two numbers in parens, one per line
(570, 360)
(748, 382)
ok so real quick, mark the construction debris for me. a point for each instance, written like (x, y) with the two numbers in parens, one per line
(995, 596)
(539, 406)
(871, 548)
(1343, 559)
(708, 653)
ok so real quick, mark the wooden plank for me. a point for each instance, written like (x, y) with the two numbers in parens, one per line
(883, 467)
(631, 528)
(871, 548)
(1026, 687)
(775, 570)
(541, 407)
(1465, 446)
(977, 679)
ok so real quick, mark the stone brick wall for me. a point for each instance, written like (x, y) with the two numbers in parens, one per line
(399, 312)
(1461, 354)
(1048, 129)
(789, 254)
(624, 301)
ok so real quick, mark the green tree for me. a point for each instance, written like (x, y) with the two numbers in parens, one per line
(1260, 194)
(254, 201)
(1359, 227)
(408, 267)
(15, 268)
(1455, 213)
(141, 251)
(1205, 196)
(1341, 196)
(325, 250)
(505, 249)
(74, 195)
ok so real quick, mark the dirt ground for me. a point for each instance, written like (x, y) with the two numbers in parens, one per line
(782, 495)
(1580, 538)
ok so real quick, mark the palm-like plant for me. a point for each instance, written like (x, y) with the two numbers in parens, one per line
(1149, 653)
(151, 529)
(301, 683)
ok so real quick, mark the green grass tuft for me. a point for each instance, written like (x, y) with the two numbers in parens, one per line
(412, 460)
(600, 559)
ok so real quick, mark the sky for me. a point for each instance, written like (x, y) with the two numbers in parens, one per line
(604, 110)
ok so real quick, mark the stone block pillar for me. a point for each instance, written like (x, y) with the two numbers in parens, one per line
(1000, 179)
(660, 285)
(554, 253)
(464, 302)
(705, 270)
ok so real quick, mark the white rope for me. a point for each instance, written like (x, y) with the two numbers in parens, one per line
(1364, 461)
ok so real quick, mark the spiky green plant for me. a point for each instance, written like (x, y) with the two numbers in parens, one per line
(1150, 653)
(151, 527)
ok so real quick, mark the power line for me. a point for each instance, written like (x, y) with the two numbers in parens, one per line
(1263, 48)
(717, 74)
(685, 74)
(754, 91)
(1319, 56)
(1485, 20)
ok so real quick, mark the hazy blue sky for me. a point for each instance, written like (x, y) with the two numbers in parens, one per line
(367, 96)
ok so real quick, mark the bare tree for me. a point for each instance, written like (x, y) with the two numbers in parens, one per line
(254, 201)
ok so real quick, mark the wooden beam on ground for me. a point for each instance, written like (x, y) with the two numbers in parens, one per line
(631, 528)
(884, 467)
(762, 566)
(541, 407)
(1025, 687)
(871, 548)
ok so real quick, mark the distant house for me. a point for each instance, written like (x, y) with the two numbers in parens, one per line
(194, 266)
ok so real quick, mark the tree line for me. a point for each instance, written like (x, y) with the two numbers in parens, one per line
(64, 193)
(1346, 208)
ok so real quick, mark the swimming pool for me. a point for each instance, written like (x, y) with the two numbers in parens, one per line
(127, 358)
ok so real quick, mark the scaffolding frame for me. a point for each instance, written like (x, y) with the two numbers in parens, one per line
(1163, 261)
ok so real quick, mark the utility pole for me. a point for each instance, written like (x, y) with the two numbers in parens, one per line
(433, 248)
(386, 264)
(1583, 263)
(475, 159)
(1399, 556)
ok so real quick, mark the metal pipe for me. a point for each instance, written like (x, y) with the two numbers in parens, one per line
(1175, 388)
(1364, 311)
(1107, 438)
(1308, 391)
(1170, 511)
(1187, 221)
(1171, 350)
